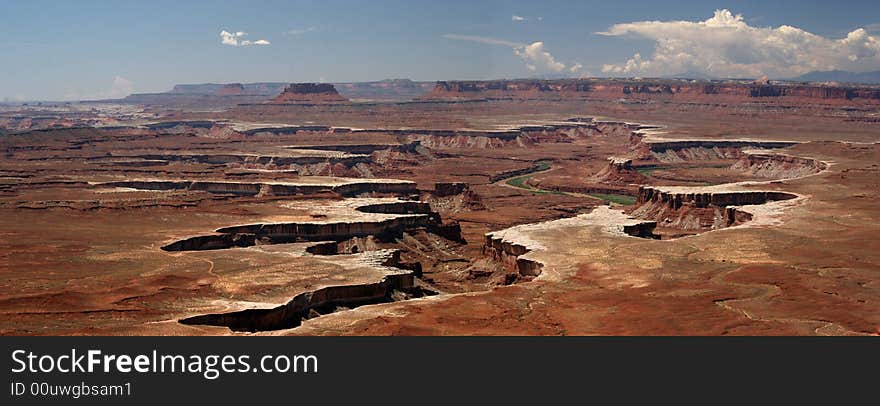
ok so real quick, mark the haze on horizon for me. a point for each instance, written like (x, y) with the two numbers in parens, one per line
(56, 50)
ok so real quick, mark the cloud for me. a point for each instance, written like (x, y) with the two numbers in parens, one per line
(121, 87)
(536, 58)
(725, 45)
(518, 19)
(575, 68)
(236, 39)
(484, 40)
(300, 31)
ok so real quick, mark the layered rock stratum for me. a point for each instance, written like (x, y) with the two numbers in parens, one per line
(309, 93)
(650, 88)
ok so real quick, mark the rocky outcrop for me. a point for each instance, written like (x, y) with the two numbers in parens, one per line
(453, 197)
(642, 229)
(619, 171)
(309, 93)
(508, 254)
(442, 189)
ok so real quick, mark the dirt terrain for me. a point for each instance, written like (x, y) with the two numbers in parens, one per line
(514, 208)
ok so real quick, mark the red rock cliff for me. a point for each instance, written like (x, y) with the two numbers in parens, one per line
(309, 93)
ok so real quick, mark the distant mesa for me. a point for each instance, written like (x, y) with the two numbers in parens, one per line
(503, 89)
(309, 93)
(629, 90)
(231, 89)
(268, 89)
(683, 90)
(385, 90)
(872, 77)
(227, 95)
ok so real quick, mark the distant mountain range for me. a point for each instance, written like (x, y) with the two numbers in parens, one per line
(223, 95)
(815, 76)
(840, 76)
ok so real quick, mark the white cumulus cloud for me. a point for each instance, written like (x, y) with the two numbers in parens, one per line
(538, 59)
(519, 19)
(121, 87)
(535, 56)
(236, 39)
(725, 45)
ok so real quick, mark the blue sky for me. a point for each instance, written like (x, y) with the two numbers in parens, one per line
(56, 50)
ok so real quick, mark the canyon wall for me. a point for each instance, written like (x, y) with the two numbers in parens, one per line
(317, 302)
(508, 254)
(778, 166)
(676, 197)
(268, 188)
(695, 209)
(412, 215)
